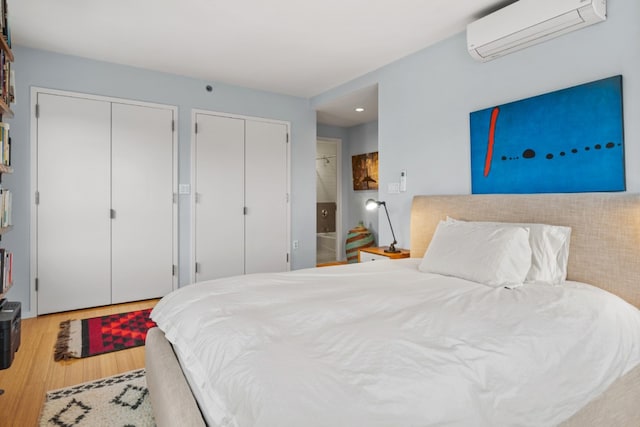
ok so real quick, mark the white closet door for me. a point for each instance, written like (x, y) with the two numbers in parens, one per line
(219, 188)
(142, 200)
(266, 229)
(73, 251)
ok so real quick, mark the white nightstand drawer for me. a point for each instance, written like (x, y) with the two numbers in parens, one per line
(366, 257)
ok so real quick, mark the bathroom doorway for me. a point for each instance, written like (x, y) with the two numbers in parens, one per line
(328, 197)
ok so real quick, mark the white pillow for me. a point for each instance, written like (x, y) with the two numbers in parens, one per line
(494, 256)
(549, 249)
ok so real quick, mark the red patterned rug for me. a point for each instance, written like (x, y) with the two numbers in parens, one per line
(98, 335)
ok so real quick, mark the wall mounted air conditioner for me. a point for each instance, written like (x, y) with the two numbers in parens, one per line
(528, 22)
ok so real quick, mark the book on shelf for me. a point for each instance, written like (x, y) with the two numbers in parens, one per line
(6, 270)
(4, 24)
(5, 144)
(12, 87)
(5, 78)
(7, 31)
(6, 81)
(6, 217)
(3, 285)
(3, 62)
(5, 208)
(10, 270)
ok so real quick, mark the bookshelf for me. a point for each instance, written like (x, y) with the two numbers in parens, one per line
(6, 98)
(9, 311)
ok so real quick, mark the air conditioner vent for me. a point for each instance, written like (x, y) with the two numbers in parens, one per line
(529, 22)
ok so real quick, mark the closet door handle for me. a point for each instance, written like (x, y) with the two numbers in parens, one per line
(112, 213)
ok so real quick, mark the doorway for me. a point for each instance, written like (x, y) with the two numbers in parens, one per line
(328, 197)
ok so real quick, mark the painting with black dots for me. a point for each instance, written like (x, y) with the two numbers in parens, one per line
(567, 141)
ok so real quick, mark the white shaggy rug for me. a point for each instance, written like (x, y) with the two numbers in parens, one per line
(120, 400)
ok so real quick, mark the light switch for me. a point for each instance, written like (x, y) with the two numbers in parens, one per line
(403, 180)
(184, 188)
(394, 188)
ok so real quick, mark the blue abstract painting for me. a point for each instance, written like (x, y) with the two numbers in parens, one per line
(565, 141)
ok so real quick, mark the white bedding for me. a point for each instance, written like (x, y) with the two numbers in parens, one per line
(383, 344)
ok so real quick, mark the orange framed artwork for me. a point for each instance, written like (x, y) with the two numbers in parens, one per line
(365, 171)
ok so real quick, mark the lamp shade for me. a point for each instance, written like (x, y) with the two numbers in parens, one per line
(371, 204)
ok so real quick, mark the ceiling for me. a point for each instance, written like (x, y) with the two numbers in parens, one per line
(293, 47)
(342, 111)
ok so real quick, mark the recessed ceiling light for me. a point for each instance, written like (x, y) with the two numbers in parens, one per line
(359, 109)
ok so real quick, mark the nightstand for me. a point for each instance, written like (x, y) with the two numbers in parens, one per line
(376, 254)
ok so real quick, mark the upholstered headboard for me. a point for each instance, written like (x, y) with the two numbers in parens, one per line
(605, 236)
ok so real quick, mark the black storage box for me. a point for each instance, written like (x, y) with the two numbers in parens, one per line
(9, 331)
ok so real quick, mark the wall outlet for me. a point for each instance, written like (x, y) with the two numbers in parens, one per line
(296, 244)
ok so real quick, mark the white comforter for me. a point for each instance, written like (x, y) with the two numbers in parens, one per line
(382, 344)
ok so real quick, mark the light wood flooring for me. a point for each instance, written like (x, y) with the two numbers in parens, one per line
(33, 371)
(329, 264)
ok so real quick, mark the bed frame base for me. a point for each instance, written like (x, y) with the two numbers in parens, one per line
(171, 398)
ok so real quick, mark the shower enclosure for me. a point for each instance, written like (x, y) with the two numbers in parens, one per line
(328, 245)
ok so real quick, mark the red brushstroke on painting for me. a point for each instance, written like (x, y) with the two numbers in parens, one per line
(492, 135)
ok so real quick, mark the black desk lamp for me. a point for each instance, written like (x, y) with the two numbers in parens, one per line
(371, 205)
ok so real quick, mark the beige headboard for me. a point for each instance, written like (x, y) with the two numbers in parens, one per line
(605, 230)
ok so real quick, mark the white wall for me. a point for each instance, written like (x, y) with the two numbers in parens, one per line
(425, 100)
(50, 70)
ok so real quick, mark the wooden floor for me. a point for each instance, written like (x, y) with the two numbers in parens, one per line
(33, 371)
(329, 264)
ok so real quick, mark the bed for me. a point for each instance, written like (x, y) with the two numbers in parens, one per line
(464, 358)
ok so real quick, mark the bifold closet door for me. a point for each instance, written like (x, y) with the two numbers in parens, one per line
(219, 190)
(73, 225)
(142, 202)
(241, 207)
(266, 221)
